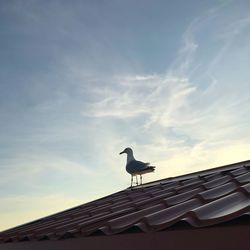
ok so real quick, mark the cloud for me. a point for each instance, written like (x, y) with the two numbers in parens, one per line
(228, 36)
(184, 63)
(157, 98)
(235, 28)
(202, 156)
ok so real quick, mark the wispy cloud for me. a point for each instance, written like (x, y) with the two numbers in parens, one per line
(158, 98)
(228, 35)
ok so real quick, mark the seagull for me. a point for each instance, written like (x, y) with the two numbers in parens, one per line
(135, 167)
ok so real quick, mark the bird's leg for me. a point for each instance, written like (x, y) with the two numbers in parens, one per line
(136, 180)
(141, 179)
(131, 181)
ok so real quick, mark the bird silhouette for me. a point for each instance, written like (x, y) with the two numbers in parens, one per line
(135, 167)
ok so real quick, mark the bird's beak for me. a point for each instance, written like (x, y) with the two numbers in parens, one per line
(122, 152)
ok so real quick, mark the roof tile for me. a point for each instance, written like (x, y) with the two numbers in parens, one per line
(218, 191)
(244, 178)
(223, 208)
(175, 199)
(217, 181)
(166, 217)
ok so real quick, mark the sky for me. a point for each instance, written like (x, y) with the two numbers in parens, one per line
(82, 80)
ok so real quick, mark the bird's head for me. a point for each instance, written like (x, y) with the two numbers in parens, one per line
(127, 151)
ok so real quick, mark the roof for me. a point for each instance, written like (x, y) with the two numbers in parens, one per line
(197, 200)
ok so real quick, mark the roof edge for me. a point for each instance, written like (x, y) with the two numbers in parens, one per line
(227, 167)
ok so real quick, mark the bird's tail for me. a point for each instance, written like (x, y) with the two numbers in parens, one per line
(152, 168)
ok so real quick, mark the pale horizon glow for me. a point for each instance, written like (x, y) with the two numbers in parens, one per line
(80, 81)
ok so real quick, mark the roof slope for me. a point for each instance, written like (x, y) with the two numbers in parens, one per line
(199, 199)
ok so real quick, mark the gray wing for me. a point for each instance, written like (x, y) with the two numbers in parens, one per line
(136, 166)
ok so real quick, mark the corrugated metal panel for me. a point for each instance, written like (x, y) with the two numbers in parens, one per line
(200, 199)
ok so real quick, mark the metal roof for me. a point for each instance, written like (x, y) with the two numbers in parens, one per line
(197, 200)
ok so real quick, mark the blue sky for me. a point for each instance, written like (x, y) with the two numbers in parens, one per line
(82, 80)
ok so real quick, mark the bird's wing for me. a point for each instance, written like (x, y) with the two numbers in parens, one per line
(136, 166)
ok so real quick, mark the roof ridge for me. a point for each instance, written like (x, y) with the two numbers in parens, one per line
(199, 173)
